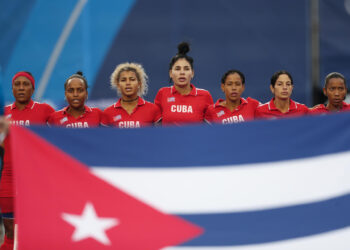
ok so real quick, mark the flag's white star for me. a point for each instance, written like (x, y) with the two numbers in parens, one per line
(89, 225)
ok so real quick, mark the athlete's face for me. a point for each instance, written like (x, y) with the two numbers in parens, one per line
(283, 87)
(128, 84)
(336, 91)
(76, 93)
(233, 87)
(181, 73)
(22, 89)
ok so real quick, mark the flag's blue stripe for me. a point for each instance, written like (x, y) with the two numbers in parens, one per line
(271, 225)
(253, 142)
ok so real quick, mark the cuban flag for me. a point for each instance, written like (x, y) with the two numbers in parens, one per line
(276, 185)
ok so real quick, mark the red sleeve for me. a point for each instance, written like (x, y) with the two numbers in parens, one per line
(106, 117)
(100, 115)
(254, 102)
(7, 110)
(158, 99)
(315, 110)
(257, 113)
(304, 109)
(157, 114)
(51, 119)
(48, 111)
(208, 116)
(307, 111)
(209, 101)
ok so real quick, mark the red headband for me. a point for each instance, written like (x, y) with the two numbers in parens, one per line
(25, 74)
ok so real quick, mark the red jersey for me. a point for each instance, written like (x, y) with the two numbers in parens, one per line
(33, 114)
(217, 113)
(322, 109)
(180, 109)
(90, 118)
(144, 114)
(269, 110)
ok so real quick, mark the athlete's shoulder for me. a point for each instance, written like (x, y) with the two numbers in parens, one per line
(212, 107)
(165, 90)
(263, 106)
(95, 110)
(56, 116)
(252, 100)
(57, 113)
(319, 108)
(162, 93)
(203, 92)
(262, 110)
(150, 104)
(346, 105)
(109, 108)
(7, 109)
(43, 106)
(302, 106)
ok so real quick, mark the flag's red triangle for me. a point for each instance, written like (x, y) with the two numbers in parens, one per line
(50, 183)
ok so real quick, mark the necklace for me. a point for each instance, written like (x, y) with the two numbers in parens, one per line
(132, 100)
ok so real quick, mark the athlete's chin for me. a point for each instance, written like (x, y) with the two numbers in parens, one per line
(182, 84)
(337, 103)
(22, 99)
(284, 97)
(77, 106)
(130, 95)
(234, 99)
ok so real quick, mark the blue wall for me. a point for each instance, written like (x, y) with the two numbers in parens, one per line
(257, 37)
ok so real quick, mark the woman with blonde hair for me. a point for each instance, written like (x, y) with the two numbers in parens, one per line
(130, 111)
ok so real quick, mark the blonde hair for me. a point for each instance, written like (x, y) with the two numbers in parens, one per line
(133, 67)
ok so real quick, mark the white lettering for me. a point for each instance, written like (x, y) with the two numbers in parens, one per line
(77, 125)
(21, 123)
(181, 109)
(129, 124)
(233, 119)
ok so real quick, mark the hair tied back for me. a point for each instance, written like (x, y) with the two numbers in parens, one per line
(183, 48)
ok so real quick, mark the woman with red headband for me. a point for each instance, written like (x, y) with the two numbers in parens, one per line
(76, 114)
(25, 112)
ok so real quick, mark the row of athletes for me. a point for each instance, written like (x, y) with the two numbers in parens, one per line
(179, 104)
(176, 105)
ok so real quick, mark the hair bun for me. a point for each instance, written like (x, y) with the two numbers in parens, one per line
(80, 73)
(183, 48)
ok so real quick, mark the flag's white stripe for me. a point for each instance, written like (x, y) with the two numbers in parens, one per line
(58, 48)
(335, 240)
(235, 188)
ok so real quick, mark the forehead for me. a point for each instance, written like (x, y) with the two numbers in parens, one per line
(22, 79)
(182, 62)
(127, 73)
(75, 83)
(283, 77)
(233, 78)
(336, 82)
